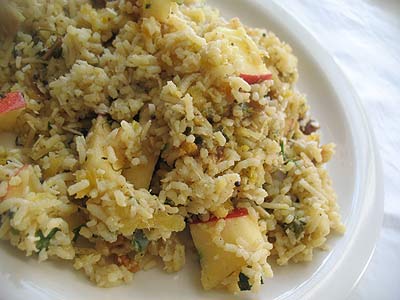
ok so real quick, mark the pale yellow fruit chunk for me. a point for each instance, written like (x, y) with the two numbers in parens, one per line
(216, 262)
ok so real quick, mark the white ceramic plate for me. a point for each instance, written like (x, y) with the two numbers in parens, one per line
(355, 171)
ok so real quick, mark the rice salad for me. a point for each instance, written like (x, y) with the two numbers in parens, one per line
(136, 121)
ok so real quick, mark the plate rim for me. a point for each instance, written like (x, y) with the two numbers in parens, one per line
(371, 172)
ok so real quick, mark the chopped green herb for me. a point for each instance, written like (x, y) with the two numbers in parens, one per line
(286, 160)
(179, 2)
(283, 150)
(296, 226)
(76, 232)
(139, 241)
(44, 241)
(14, 231)
(244, 284)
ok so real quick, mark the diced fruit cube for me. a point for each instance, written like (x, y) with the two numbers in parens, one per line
(245, 54)
(96, 156)
(11, 107)
(140, 175)
(27, 182)
(159, 9)
(96, 142)
(216, 262)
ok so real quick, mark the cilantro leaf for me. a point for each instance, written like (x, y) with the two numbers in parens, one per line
(139, 241)
(297, 226)
(286, 160)
(76, 232)
(14, 231)
(44, 241)
(282, 152)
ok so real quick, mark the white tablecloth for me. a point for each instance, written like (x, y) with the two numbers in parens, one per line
(363, 36)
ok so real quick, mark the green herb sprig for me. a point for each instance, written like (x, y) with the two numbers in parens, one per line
(44, 241)
(76, 232)
(139, 241)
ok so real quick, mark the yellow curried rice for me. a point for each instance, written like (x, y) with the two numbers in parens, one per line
(146, 117)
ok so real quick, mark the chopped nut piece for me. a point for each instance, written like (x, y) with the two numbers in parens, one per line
(310, 127)
(128, 263)
(189, 148)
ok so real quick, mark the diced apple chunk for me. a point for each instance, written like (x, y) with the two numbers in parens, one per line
(140, 175)
(159, 9)
(96, 156)
(24, 181)
(216, 262)
(11, 107)
(96, 147)
(245, 55)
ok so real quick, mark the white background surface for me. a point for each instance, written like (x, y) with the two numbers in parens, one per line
(363, 36)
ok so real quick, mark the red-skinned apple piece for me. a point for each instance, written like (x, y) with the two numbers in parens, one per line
(252, 79)
(11, 107)
(27, 180)
(236, 213)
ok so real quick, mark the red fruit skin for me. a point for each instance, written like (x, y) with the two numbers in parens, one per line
(8, 185)
(238, 212)
(11, 106)
(12, 101)
(252, 79)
